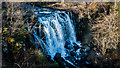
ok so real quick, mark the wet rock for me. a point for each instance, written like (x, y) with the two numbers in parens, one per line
(49, 58)
(69, 65)
(71, 59)
(82, 50)
(82, 62)
(75, 46)
(64, 62)
(57, 56)
(67, 45)
(78, 63)
(59, 59)
(72, 53)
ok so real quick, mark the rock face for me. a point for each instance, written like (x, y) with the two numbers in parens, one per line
(59, 59)
(76, 47)
(75, 57)
(67, 45)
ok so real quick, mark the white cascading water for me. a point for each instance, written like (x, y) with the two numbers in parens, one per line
(57, 28)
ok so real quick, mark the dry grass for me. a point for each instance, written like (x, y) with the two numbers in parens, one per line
(105, 32)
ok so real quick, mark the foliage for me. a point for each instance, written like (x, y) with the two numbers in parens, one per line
(101, 16)
(105, 31)
(69, 4)
(16, 51)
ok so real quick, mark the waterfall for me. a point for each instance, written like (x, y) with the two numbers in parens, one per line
(57, 29)
(56, 34)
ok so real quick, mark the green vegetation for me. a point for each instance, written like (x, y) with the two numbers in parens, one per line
(18, 41)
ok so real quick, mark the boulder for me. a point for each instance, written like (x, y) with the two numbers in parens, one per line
(75, 46)
(67, 45)
(49, 58)
(72, 53)
(59, 59)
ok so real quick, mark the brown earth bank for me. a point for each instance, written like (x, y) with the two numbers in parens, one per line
(100, 31)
